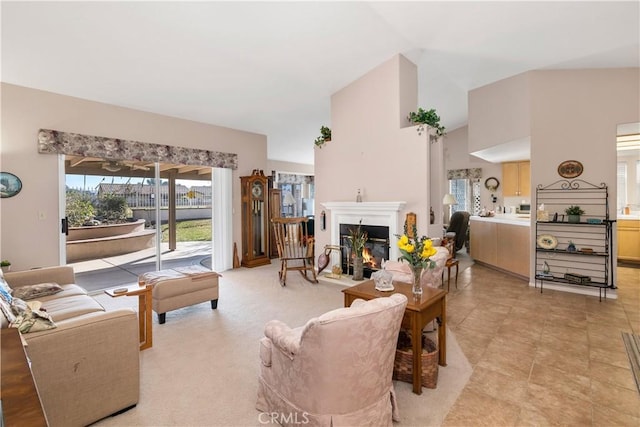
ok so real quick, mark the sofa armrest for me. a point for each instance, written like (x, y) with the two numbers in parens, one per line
(96, 351)
(283, 337)
(62, 275)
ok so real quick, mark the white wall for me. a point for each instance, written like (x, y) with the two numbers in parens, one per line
(29, 228)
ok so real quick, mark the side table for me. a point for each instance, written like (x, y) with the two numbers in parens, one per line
(144, 310)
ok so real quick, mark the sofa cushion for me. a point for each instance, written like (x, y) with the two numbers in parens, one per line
(71, 306)
(36, 291)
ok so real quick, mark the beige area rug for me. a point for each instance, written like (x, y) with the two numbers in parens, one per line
(203, 367)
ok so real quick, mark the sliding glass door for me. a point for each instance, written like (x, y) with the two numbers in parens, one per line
(125, 218)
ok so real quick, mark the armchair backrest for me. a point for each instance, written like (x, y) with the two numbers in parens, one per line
(347, 354)
(459, 224)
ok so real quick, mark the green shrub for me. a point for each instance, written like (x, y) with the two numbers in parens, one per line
(79, 208)
(112, 209)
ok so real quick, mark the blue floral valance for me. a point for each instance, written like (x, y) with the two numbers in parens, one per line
(475, 173)
(56, 142)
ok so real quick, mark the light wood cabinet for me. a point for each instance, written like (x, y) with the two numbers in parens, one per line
(629, 240)
(504, 246)
(516, 179)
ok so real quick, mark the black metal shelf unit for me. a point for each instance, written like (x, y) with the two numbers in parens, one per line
(574, 253)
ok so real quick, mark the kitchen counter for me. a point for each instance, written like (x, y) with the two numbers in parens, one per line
(513, 219)
(502, 242)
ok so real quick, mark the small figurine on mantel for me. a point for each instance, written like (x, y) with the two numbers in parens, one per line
(359, 197)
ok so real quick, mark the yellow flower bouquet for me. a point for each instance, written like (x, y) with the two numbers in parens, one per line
(417, 252)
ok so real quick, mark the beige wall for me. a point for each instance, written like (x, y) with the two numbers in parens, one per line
(29, 241)
(456, 156)
(280, 166)
(369, 148)
(499, 113)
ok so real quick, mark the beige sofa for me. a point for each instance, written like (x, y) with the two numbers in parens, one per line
(87, 367)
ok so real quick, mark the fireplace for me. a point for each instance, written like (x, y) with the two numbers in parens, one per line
(376, 248)
(383, 214)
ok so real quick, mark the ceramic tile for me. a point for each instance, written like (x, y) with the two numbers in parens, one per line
(617, 398)
(612, 374)
(603, 416)
(567, 361)
(569, 383)
(479, 409)
(497, 385)
(608, 356)
(557, 407)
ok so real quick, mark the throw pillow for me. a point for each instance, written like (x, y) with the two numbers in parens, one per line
(5, 289)
(32, 319)
(5, 307)
(36, 291)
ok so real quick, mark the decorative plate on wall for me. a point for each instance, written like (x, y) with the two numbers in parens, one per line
(570, 169)
(547, 241)
(10, 185)
(491, 184)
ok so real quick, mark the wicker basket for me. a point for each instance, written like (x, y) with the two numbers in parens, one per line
(403, 364)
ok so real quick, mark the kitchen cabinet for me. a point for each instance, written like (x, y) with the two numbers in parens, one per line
(516, 179)
(629, 240)
(501, 243)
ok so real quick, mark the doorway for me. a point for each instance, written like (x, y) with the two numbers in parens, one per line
(126, 218)
(628, 195)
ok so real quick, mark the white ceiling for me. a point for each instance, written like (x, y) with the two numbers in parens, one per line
(271, 67)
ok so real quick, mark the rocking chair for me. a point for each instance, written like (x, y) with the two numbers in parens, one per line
(294, 246)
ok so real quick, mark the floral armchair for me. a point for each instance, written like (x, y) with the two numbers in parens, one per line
(334, 371)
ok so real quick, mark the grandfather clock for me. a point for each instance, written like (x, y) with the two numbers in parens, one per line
(255, 220)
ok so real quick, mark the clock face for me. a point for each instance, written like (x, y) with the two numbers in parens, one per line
(256, 190)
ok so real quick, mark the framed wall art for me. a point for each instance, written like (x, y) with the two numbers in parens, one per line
(10, 185)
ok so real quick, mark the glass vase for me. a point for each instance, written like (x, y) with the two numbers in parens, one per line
(358, 269)
(417, 286)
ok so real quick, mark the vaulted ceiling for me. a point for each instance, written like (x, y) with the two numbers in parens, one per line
(271, 67)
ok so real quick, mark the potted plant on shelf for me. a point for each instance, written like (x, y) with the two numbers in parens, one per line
(325, 136)
(5, 265)
(574, 213)
(426, 117)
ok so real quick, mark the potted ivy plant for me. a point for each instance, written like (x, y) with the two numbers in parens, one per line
(426, 117)
(325, 136)
(5, 265)
(574, 213)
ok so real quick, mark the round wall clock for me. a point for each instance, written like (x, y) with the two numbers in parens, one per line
(570, 169)
(10, 185)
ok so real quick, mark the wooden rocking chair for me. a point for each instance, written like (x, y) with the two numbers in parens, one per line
(294, 246)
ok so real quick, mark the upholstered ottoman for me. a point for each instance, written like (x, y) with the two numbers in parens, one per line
(181, 287)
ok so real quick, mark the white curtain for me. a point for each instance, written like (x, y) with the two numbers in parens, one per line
(222, 228)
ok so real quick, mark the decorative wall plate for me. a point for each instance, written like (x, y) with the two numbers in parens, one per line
(491, 184)
(570, 169)
(10, 185)
(547, 241)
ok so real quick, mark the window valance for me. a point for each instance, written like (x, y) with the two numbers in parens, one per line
(474, 173)
(56, 142)
(289, 178)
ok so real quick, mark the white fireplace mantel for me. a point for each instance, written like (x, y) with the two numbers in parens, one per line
(371, 213)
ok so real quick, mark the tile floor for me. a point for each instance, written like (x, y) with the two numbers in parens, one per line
(554, 358)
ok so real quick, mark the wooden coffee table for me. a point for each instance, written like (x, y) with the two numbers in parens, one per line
(145, 326)
(420, 311)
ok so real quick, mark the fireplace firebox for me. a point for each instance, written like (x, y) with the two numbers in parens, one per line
(376, 248)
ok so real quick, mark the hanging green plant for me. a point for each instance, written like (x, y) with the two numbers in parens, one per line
(426, 117)
(325, 136)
